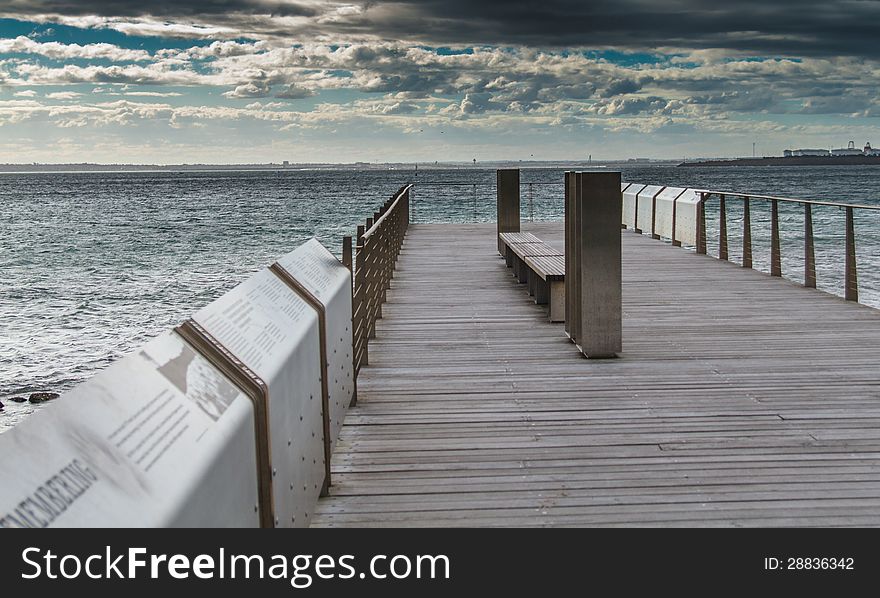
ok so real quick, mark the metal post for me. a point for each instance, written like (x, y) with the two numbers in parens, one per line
(348, 262)
(723, 253)
(654, 235)
(570, 263)
(360, 289)
(675, 242)
(851, 289)
(599, 264)
(809, 248)
(346, 252)
(775, 252)
(507, 189)
(747, 233)
(372, 285)
(701, 224)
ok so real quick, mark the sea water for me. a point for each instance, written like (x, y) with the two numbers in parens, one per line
(94, 264)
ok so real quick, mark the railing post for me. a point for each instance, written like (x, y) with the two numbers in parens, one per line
(360, 290)
(346, 252)
(675, 242)
(507, 194)
(747, 233)
(599, 264)
(348, 262)
(380, 246)
(654, 235)
(775, 252)
(809, 249)
(723, 253)
(370, 285)
(701, 224)
(570, 257)
(851, 289)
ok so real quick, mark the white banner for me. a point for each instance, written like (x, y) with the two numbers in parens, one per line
(275, 333)
(158, 439)
(330, 282)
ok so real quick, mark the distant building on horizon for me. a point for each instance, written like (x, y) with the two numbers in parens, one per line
(850, 150)
(805, 152)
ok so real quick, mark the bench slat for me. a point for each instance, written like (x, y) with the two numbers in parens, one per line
(511, 238)
(524, 250)
(549, 267)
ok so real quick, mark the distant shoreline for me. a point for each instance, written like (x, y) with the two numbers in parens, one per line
(407, 166)
(793, 161)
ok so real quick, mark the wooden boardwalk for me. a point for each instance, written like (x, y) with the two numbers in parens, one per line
(739, 399)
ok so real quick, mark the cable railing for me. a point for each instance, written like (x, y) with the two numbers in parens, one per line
(784, 210)
(803, 242)
(378, 244)
(457, 202)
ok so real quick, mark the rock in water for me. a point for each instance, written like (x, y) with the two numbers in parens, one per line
(17, 399)
(42, 397)
(1, 405)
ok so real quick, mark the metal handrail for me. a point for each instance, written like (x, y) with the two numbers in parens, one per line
(387, 211)
(850, 277)
(815, 202)
(485, 184)
(378, 243)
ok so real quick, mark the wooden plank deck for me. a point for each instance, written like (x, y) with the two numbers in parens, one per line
(739, 400)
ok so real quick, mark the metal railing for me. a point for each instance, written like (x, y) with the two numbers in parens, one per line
(850, 271)
(460, 202)
(379, 241)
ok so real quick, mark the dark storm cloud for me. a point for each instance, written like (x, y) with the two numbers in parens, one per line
(192, 9)
(796, 27)
(621, 86)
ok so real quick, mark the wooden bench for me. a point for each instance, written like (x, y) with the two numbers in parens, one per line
(509, 239)
(540, 266)
(547, 283)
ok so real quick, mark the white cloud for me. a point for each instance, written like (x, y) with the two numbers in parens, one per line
(59, 51)
(153, 94)
(255, 89)
(63, 95)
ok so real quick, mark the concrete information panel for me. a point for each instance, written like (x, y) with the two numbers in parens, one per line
(158, 439)
(630, 201)
(330, 282)
(686, 217)
(645, 208)
(275, 333)
(663, 209)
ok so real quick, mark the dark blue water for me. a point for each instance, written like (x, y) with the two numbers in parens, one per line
(94, 264)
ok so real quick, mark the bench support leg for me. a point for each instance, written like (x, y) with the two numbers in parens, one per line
(542, 290)
(557, 301)
(533, 282)
(522, 271)
(508, 256)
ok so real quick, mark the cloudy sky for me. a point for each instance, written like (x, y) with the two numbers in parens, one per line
(405, 80)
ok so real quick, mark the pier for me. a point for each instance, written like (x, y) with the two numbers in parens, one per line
(735, 398)
(739, 399)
